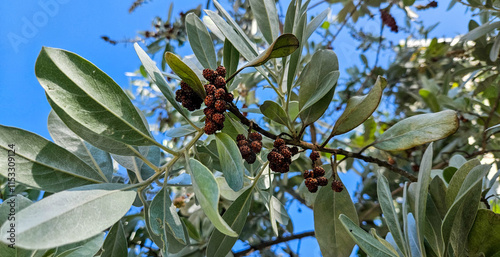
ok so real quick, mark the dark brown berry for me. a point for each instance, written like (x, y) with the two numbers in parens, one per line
(308, 174)
(221, 71)
(189, 99)
(284, 168)
(220, 105)
(294, 150)
(285, 151)
(273, 156)
(229, 97)
(337, 186)
(220, 82)
(220, 94)
(242, 142)
(218, 118)
(310, 183)
(256, 146)
(210, 127)
(313, 189)
(210, 89)
(322, 181)
(388, 20)
(209, 112)
(279, 142)
(240, 137)
(318, 172)
(209, 75)
(251, 158)
(255, 136)
(210, 101)
(314, 156)
(245, 151)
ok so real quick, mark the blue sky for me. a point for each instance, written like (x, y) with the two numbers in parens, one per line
(78, 25)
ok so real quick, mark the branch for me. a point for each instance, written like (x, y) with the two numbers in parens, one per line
(273, 242)
(297, 142)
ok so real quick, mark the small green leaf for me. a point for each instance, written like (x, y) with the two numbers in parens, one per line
(42, 164)
(326, 85)
(332, 237)
(231, 60)
(83, 212)
(485, 234)
(115, 244)
(359, 108)
(163, 217)
(273, 111)
(157, 78)
(299, 30)
(383, 241)
(207, 192)
(230, 161)
(87, 247)
(182, 130)
(364, 240)
(200, 41)
(480, 31)
(390, 214)
(185, 73)
(424, 179)
(458, 179)
(266, 15)
(430, 99)
(94, 157)
(90, 97)
(460, 217)
(235, 216)
(316, 22)
(135, 164)
(418, 130)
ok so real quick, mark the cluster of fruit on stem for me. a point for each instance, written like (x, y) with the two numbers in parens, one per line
(315, 177)
(280, 157)
(249, 147)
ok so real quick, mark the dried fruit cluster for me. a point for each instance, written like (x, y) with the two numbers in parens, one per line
(315, 177)
(431, 4)
(388, 20)
(187, 97)
(216, 99)
(280, 157)
(250, 147)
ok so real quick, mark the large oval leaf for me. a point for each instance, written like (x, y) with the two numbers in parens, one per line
(235, 216)
(42, 164)
(359, 108)
(185, 73)
(230, 161)
(136, 165)
(70, 216)
(424, 179)
(93, 156)
(484, 235)
(418, 130)
(163, 216)
(333, 238)
(273, 111)
(200, 41)
(115, 244)
(207, 192)
(266, 15)
(326, 85)
(90, 97)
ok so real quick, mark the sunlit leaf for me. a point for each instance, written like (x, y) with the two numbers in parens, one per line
(185, 73)
(230, 160)
(200, 41)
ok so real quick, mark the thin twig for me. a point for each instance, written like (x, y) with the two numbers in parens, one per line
(278, 240)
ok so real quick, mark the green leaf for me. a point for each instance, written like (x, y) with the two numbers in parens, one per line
(460, 217)
(408, 2)
(42, 164)
(231, 60)
(326, 85)
(266, 15)
(458, 179)
(413, 236)
(163, 217)
(299, 30)
(430, 99)
(316, 22)
(87, 247)
(432, 226)
(115, 244)
(273, 111)
(480, 31)
(389, 211)
(200, 41)
(235, 216)
(484, 234)
(418, 130)
(182, 130)
(207, 192)
(364, 240)
(230, 161)
(437, 191)
(90, 97)
(135, 164)
(92, 156)
(383, 241)
(322, 63)
(83, 212)
(19, 202)
(290, 17)
(332, 237)
(359, 108)
(185, 73)
(157, 78)
(424, 179)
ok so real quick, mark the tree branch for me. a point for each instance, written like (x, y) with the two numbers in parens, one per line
(273, 242)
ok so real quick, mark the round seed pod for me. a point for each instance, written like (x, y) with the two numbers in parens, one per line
(210, 89)
(308, 174)
(210, 127)
(209, 75)
(220, 105)
(240, 137)
(279, 142)
(219, 118)
(221, 71)
(319, 171)
(314, 156)
(337, 186)
(255, 136)
(209, 112)
(220, 82)
(229, 97)
(220, 94)
(256, 146)
(251, 158)
(209, 100)
(245, 151)
(322, 181)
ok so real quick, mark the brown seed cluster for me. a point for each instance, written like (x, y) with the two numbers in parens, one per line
(187, 97)
(315, 177)
(388, 20)
(337, 186)
(249, 147)
(280, 157)
(216, 99)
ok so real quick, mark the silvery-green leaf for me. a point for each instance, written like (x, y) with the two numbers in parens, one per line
(200, 41)
(230, 160)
